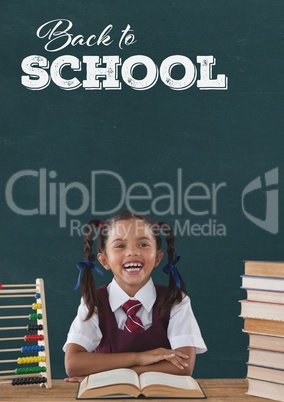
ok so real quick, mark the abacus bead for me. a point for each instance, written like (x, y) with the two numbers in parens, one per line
(34, 306)
(37, 295)
(19, 360)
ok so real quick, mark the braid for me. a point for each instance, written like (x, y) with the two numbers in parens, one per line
(88, 287)
(174, 294)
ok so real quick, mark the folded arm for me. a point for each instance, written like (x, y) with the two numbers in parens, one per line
(172, 366)
(79, 362)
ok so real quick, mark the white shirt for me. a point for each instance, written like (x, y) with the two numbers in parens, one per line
(183, 329)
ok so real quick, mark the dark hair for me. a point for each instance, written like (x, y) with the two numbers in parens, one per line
(88, 288)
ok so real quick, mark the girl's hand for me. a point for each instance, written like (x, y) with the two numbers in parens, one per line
(74, 379)
(175, 357)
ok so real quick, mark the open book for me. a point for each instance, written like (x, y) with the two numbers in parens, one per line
(125, 383)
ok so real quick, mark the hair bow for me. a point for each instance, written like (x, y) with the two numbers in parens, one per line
(171, 267)
(86, 263)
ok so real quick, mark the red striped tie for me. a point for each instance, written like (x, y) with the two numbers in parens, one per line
(133, 323)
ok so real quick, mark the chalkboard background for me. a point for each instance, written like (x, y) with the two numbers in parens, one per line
(227, 136)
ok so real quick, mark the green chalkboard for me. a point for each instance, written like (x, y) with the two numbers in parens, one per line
(184, 122)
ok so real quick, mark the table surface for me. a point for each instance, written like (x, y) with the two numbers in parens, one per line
(216, 390)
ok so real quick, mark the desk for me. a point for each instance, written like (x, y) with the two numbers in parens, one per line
(216, 390)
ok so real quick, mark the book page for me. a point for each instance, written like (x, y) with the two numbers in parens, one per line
(83, 385)
(110, 377)
(170, 380)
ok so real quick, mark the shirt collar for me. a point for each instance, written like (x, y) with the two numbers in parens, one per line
(146, 295)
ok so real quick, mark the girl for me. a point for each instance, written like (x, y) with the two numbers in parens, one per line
(131, 322)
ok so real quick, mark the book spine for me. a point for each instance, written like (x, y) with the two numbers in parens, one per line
(266, 319)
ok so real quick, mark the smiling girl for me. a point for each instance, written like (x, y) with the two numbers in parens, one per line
(131, 322)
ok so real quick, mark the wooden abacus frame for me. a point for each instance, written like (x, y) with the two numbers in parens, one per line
(41, 373)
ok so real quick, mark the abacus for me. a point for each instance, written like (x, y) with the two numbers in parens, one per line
(35, 368)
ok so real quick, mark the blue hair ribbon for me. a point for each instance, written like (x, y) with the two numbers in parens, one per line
(86, 263)
(171, 267)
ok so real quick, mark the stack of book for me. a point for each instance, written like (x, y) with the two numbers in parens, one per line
(263, 313)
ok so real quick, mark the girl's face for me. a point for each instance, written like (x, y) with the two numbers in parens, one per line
(131, 254)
